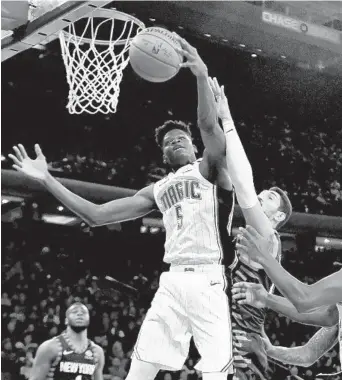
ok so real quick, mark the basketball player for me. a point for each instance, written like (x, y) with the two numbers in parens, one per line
(325, 292)
(256, 296)
(305, 298)
(71, 355)
(197, 202)
(267, 212)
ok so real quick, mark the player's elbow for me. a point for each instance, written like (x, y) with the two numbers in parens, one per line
(308, 358)
(97, 217)
(207, 123)
(302, 302)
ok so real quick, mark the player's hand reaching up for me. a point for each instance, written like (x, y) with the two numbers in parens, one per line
(222, 107)
(193, 60)
(250, 294)
(37, 168)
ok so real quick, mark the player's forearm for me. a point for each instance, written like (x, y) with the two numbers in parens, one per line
(306, 355)
(293, 356)
(81, 207)
(239, 167)
(283, 306)
(206, 108)
(294, 290)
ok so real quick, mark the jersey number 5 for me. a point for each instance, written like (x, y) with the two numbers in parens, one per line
(179, 215)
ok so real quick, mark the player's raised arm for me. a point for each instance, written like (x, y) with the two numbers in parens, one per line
(256, 295)
(95, 215)
(211, 132)
(45, 356)
(325, 292)
(239, 167)
(305, 356)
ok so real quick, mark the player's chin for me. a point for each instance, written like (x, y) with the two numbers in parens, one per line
(81, 323)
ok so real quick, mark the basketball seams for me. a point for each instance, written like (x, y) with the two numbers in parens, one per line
(154, 57)
(158, 79)
(153, 35)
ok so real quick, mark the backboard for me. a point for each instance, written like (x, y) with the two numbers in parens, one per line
(34, 23)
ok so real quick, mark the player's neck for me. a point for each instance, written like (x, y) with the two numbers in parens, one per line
(174, 168)
(78, 338)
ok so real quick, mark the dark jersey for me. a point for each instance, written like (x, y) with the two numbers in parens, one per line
(250, 358)
(70, 365)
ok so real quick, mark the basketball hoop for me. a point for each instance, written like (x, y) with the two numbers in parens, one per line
(95, 58)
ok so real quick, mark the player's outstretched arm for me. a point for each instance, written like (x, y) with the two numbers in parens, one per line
(98, 374)
(95, 215)
(211, 132)
(46, 354)
(305, 356)
(239, 167)
(325, 292)
(256, 295)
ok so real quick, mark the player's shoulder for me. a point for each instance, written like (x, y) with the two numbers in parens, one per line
(50, 347)
(146, 191)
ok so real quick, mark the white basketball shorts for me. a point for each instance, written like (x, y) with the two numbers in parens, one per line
(190, 301)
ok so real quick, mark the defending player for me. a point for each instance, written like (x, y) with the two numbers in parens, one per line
(267, 212)
(326, 292)
(197, 215)
(256, 296)
(71, 355)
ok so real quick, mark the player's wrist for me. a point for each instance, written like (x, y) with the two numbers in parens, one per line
(268, 300)
(46, 178)
(203, 73)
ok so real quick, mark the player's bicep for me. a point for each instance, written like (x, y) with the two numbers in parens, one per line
(128, 208)
(43, 361)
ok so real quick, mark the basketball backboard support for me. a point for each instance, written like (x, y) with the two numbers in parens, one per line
(24, 27)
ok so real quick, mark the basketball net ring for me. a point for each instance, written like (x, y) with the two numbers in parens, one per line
(93, 70)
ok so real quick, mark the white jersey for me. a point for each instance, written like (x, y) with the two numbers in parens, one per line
(339, 308)
(197, 217)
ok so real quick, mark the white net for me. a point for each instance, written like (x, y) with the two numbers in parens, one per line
(94, 66)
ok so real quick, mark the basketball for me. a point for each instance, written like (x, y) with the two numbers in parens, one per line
(153, 55)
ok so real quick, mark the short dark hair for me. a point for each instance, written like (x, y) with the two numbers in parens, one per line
(168, 126)
(76, 301)
(285, 206)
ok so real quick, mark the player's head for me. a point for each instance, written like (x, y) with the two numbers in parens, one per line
(174, 138)
(77, 317)
(276, 205)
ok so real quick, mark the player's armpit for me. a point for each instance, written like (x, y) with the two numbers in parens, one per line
(124, 209)
(98, 374)
(215, 170)
(45, 356)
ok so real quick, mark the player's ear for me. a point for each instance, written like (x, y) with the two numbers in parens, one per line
(195, 148)
(66, 322)
(164, 159)
(280, 216)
